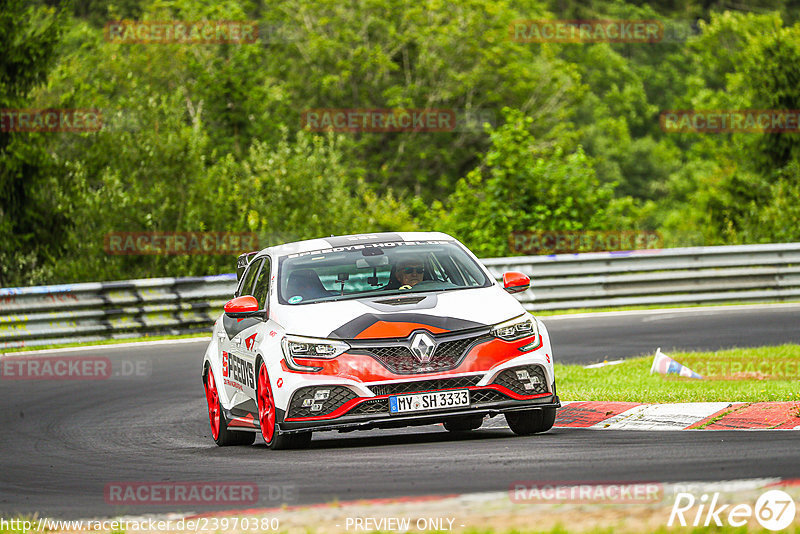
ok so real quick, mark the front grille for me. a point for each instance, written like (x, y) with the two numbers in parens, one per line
(482, 396)
(400, 360)
(371, 407)
(425, 385)
(456, 348)
(524, 380)
(313, 401)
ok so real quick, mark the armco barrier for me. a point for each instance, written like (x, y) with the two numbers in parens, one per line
(34, 316)
(667, 276)
(31, 316)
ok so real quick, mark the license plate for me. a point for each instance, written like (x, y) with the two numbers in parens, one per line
(435, 400)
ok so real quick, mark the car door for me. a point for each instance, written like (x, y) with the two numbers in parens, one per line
(248, 334)
(238, 379)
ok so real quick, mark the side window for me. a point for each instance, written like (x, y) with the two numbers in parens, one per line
(249, 277)
(262, 286)
(437, 271)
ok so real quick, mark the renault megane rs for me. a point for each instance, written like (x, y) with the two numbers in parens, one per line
(374, 331)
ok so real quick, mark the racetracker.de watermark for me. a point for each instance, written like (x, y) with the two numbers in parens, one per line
(783, 369)
(180, 493)
(51, 120)
(586, 31)
(396, 120)
(379, 120)
(178, 243)
(731, 121)
(212, 525)
(72, 368)
(181, 32)
(586, 492)
(563, 242)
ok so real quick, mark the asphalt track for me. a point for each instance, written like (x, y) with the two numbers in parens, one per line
(588, 339)
(63, 441)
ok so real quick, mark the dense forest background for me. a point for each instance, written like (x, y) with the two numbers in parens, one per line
(203, 137)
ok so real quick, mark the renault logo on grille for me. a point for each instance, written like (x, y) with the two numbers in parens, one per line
(422, 347)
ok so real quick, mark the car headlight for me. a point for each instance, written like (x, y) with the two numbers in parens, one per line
(517, 328)
(309, 347)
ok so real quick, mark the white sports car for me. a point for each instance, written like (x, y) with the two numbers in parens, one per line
(374, 331)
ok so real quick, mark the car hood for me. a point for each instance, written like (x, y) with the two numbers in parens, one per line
(397, 316)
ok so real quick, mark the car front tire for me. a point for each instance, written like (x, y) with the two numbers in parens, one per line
(267, 417)
(463, 424)
(527, 422)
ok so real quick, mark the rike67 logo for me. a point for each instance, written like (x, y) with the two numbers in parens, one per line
(774, 510)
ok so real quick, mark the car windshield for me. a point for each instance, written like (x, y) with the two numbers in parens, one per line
(375, 270)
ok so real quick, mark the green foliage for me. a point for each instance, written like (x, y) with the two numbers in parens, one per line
(259, 193)
(30, 211)
(208, 136)
(775, 83)
(522, 186)
(418, 54)
(775, 219)
(312, 173)
(732, 188)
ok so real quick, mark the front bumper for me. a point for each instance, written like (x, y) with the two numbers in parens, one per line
(386, 420)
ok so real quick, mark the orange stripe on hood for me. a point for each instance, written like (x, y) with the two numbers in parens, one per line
(382, 329)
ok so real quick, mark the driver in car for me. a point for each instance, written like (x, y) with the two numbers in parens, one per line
(409, 273)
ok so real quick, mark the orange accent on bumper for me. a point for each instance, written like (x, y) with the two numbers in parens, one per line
(363, 368)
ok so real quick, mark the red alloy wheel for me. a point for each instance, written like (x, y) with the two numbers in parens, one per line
(212, 396)
(266, 405)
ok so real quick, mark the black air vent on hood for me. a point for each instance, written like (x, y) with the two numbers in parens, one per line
(400, 301)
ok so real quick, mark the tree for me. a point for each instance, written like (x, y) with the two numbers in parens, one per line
(521, 186)
(742, 62)
(31, 216)
(412, 54)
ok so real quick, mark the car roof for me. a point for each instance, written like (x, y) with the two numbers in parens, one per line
(355, 239)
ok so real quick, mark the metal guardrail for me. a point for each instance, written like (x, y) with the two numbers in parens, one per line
(33, 316)
(697, 275)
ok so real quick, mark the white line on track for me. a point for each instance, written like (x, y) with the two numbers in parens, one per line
(110, 346)
(696, 309)
(676, 416)
(605, 363)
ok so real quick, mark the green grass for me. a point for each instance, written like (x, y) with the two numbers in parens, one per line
(572, 311)
(726, 529)
(752, 526)
(105, 342)
(631, 380)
